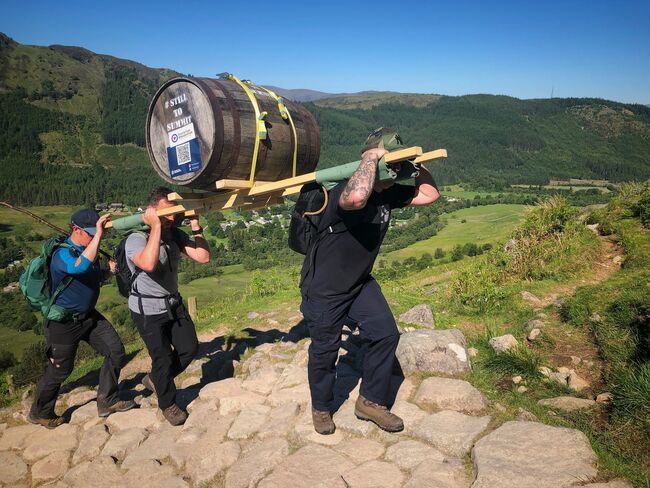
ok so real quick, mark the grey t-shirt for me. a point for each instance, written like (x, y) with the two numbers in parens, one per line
(162, 281)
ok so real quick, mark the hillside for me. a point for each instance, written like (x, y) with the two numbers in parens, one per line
(72, 130)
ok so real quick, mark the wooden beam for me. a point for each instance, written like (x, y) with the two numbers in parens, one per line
(232, 184)
(175, 196)
(282, 184)
(431, 155)
(403, 154)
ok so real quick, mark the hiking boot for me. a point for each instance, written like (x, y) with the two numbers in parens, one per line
(118, 406)
(148, 383)
(175, 415)
(364, 409)
(323, 423)
(51, 423)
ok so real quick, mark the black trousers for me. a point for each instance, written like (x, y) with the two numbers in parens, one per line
(325, 320)
(172, 344)
(62, 340)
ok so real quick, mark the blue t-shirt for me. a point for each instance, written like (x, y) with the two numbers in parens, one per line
(83, 291)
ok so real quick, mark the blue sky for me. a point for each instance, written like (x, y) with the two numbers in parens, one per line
(519, 48)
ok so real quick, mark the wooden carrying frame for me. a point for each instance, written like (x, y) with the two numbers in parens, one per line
(251, 194)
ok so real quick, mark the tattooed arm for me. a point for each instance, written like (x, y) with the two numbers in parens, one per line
(426, 190)
(359, 187)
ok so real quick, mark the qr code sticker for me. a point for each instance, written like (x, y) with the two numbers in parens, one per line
(183, 155)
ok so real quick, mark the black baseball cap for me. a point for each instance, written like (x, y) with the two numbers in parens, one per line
(86, 218)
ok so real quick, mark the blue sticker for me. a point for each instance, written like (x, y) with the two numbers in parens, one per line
(184, 158)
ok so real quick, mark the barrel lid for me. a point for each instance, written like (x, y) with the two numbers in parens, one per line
(181, 132)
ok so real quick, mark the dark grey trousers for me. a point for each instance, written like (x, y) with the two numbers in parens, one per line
(62, 340)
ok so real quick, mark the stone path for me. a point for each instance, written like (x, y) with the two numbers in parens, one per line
(254, 430)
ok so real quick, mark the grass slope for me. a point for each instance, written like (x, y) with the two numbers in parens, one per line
(487, 224)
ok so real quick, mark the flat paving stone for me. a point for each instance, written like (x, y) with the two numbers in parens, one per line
(256, 462)
(12, 468)
(210, 458)
(152, 473)
(51, 467)
(449, 394)
(373, 474)
(137, 417)
(102, 470)
(411, 414)
(262, 381)
(222, 388)
(451, 432)
(439, 474)
(15, 437)
(532, 455)
(280, 421)
(155, 447)
(84, 413)
(123, 442)
(249, 421)
(360, 450)
(236, 403)
(91, 443)
(409, 454)
(311, 466)
(567, 403)
(44, 441)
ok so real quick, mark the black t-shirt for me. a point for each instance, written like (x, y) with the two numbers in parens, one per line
(343, 259)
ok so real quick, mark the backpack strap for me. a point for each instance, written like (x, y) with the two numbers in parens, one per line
(63, 284)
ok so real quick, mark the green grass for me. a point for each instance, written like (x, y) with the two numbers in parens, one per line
(16, 223)
(602, 189)
(16, 342)
(485, 224)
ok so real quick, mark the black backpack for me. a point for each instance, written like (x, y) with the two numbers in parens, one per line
(306, 216)
(123, 274)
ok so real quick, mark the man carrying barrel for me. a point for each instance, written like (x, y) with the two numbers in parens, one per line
(156, 306)
(76, 278)
(336, 284)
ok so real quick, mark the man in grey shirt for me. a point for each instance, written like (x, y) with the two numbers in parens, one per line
(156, 306)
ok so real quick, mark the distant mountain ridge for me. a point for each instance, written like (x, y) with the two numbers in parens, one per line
(80, 119)
(307, 95)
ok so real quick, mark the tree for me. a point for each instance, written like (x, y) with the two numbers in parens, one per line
(439, 254)
(457, 253)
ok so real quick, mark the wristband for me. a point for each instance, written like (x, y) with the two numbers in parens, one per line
(197, 232)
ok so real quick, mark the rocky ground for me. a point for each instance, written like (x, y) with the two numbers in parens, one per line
(250, 425)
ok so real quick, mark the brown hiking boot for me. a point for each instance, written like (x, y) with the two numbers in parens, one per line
(323, 423)
(175, 415)
(118, 406)
(148, 383)
(364, 409)
(52, 423)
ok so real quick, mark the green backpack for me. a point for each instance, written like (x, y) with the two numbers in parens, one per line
(35, 281)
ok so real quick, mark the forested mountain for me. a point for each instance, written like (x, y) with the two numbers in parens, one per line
(72, 130)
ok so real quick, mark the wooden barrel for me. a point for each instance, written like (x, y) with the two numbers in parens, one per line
(200, 130)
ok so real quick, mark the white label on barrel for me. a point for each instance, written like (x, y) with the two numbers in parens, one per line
(179, 136)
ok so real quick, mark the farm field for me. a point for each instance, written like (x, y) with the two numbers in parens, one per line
(490, 223)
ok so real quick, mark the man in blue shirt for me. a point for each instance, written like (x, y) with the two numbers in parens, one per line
(82, 322)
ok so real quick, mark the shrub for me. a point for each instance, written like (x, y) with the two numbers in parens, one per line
(7, 360)
(439, 253)
(32, 365)
(457, 253)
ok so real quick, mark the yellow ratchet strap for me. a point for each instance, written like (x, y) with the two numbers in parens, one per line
(286, 115)
(260, 132)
